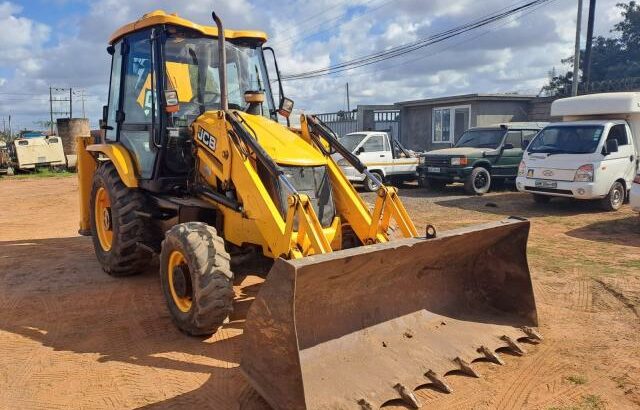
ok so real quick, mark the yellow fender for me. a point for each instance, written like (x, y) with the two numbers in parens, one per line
(121, 159)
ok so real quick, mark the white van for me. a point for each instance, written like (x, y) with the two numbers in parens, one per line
(592, 154)
(383, 156)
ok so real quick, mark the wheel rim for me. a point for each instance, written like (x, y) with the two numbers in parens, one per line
(180, 281)
(480, 181)
(103, 220)
(372, 185)
(616, 198)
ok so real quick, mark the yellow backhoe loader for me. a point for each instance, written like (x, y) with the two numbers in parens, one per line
(194, 165)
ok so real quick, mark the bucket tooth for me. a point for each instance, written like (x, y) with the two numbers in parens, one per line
(407, 396)
(513, 345)
(532, 334)
(466, 368)
(491, 355)
(438, 382)
(365, 405)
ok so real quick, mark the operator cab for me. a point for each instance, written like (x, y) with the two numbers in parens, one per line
(164, 75)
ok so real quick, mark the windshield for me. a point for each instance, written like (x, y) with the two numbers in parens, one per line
(192, 70)
(574, 139)
(481, 139)
(351, 141)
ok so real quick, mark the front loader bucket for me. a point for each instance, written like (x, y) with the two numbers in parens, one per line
(360, 327)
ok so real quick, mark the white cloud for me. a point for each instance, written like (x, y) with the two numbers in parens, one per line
(514, 56)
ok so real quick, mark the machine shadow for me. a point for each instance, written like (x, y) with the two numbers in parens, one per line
(520, 204)
(618, 232)
(55, 293)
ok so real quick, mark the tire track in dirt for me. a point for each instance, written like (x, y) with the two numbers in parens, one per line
(583, 295)
(518, 387)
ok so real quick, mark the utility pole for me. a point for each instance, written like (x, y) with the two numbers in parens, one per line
(82, 99)
(10, 135)
(70, 102)
(51, 110)
(587, 52)
(576, 54)
(348, 106)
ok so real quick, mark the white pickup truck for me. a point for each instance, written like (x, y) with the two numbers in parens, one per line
(383, 156)
(592, 154)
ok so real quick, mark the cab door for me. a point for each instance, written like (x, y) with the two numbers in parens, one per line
(374, 151)
(508, 161)
(621, 164)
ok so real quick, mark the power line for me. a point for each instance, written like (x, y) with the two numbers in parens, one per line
(311, 33)
(413, 46)
(445, 48)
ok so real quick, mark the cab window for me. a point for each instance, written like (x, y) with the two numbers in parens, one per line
(619, 133)
(375, 143)
(138, 100)
(114, 93)
(514, 138)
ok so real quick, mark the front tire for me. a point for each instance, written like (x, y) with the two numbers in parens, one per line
(116, 229)
(370, 185)
(478, 182)
(196, 278)
(615, 198)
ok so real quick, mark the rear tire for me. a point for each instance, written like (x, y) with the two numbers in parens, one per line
(541, 199)
(121, 228)
(615, 198)
(478, 182)
(370, 185)
(196, 278)
(10, 171)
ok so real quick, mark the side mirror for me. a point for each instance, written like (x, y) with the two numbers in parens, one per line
(286, 107)
(508, 146)
(610, 147)
(525, 144)
(360, 150)
(103, 120)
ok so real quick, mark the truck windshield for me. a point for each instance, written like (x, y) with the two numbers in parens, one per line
(351, 141)
(191, 67)
(481, 139)
(567, 139)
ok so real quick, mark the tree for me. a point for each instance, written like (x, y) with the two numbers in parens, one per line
(612, 58)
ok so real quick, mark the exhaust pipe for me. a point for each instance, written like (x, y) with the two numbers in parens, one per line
(222, 63)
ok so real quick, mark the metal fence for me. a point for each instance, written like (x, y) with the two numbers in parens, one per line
(344, 122)
(341, 122)
(387, 121)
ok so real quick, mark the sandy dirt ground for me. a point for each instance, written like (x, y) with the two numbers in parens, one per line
(73, 337)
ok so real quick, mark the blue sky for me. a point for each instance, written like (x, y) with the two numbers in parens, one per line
(62, 43)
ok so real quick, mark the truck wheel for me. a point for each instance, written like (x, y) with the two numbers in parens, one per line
(615, 198)
(10, 171)
(423, 182)
(478, 182)
(541, 199)
(196, 278)
(116, 229)
(370, 185)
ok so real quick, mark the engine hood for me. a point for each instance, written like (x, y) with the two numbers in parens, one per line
(284, 146)
(466, 151)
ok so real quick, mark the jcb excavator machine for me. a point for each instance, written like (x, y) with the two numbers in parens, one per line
(194, 164)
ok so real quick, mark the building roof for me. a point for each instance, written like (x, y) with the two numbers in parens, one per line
(465, 98)
(159, 17)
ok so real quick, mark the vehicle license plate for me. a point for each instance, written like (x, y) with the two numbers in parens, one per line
(433, 169)
(546, 184)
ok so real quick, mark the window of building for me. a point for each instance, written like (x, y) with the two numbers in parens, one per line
(449, 123)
